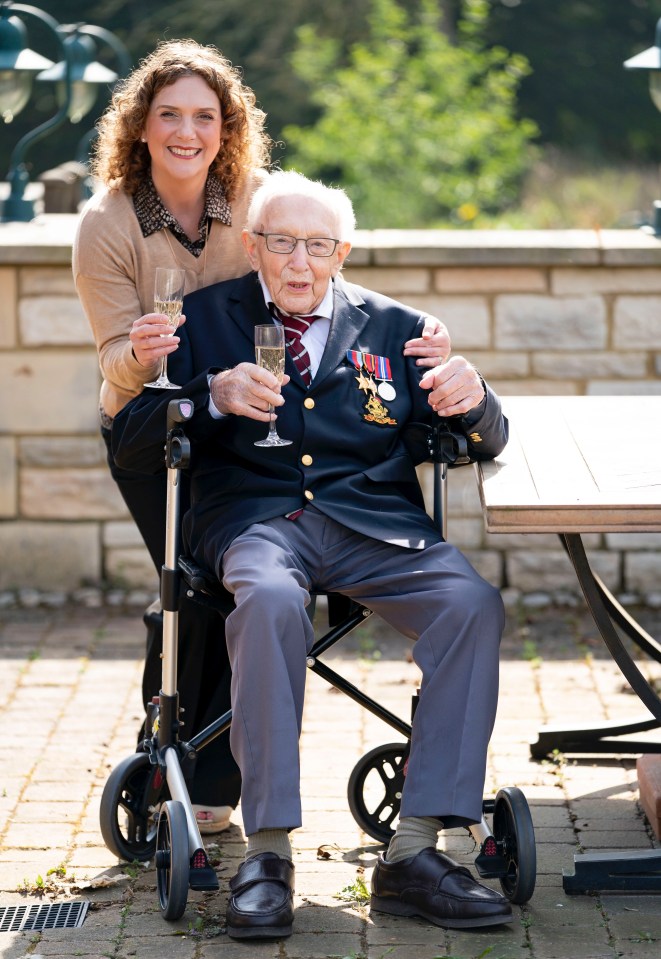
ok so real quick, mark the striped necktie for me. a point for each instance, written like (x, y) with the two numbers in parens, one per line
(295, 327)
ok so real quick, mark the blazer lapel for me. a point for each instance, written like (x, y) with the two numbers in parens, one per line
(247, 307)
(347, 322)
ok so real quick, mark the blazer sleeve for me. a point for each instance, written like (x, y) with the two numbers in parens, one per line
(139, 429)
(485, 428)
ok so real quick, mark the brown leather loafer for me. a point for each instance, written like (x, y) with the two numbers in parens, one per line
(432, 886)
(261, 904)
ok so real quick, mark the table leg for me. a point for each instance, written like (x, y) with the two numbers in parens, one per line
(625, 871)
(606, 611)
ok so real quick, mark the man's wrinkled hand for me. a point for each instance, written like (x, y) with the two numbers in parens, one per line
(456, 387)
(247, 390)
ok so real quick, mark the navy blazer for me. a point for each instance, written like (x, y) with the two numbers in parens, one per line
(354, 468)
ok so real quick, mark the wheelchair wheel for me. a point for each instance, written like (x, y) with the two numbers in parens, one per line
(375, 789)
(130, 794)
(512, 826)
(172, 860)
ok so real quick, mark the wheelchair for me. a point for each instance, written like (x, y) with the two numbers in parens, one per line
(145, 808)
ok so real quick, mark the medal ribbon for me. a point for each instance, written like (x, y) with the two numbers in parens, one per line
(376, 365)
(383, 367)
(355, 357)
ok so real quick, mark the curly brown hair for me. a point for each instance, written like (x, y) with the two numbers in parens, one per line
(121, 161)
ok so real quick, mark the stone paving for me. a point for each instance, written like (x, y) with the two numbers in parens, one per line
(69, 688)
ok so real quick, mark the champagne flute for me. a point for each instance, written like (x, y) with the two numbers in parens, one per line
(270, 355)
(168, 300)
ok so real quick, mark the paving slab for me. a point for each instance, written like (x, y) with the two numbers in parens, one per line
(71, 686)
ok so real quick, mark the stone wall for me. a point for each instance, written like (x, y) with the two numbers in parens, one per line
(574, 312)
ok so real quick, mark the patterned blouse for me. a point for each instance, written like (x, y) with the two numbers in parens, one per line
(153, 216)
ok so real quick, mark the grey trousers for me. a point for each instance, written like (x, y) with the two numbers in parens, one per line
(433, 596)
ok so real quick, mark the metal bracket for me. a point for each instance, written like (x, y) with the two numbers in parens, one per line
(638, 871)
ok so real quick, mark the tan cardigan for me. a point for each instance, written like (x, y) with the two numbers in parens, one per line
(113, 269)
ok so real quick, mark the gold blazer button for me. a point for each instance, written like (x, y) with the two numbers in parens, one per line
(308, 403)
(306, 460)
(309, 495)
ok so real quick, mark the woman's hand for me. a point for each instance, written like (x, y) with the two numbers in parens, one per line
(433, 346)
(150, 338)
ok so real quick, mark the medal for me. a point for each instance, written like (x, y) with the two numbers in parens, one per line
(385, 388)
(386, 391)
(379, 366)
(357, 360)
(370, 365)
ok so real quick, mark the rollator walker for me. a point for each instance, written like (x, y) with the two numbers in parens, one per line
(146, 811)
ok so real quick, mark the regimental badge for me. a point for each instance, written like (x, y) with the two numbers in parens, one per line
(377, 413)
(370, 368)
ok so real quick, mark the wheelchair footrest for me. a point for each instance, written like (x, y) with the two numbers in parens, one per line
(202, 876)
(490, 861)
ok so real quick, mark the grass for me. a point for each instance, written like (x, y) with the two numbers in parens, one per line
(356, 892)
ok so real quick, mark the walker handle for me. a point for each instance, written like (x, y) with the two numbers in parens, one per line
(179, 411)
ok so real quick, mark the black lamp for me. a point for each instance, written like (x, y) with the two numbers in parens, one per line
(123, 62)
(650, 60)
(18, 65)
(86, 73)
(76, 75)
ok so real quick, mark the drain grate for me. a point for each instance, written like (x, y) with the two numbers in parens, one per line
(60, 915)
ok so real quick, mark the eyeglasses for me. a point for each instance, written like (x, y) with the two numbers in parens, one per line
(283, 243)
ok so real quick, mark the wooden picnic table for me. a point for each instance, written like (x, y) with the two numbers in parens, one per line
(573, 465)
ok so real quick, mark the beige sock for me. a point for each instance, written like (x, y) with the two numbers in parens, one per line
(269, 840)
(413, 834)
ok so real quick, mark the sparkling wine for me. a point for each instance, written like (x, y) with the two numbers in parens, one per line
(271, 358)
(171, 309)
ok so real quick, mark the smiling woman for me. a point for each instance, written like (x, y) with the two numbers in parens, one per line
(180, 151)
(183, 135)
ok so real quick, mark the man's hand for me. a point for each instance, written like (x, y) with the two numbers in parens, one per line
(247, 390)
(150, 338)
(433, 346)
(455, 387)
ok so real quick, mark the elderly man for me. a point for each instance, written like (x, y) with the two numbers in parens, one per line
(338, 509)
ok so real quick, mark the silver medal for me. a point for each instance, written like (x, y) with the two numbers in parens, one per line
(386, 391)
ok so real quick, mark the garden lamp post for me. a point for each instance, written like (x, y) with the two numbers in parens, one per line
(124, 64)
(76, 76)
(650, 60)
(18, 65)
(86, 73)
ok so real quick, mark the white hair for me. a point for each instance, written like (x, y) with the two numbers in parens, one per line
(289, 183)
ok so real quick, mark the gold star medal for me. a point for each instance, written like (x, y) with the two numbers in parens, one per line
(370, 365)
(355, 357)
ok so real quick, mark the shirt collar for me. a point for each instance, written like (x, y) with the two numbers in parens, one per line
(153, 216)
(324, 309)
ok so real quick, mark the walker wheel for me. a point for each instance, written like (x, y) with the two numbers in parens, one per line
(375, 789)
(513, 828)
(128, 824)
(172, 860)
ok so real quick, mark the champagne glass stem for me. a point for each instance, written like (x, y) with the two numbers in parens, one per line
(272, 430)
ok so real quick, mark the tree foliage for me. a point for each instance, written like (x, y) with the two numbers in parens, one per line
(417, 129)
(576, 89)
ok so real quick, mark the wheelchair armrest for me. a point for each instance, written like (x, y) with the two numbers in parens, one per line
(200, 579)
(437, 443)
(447, 447)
